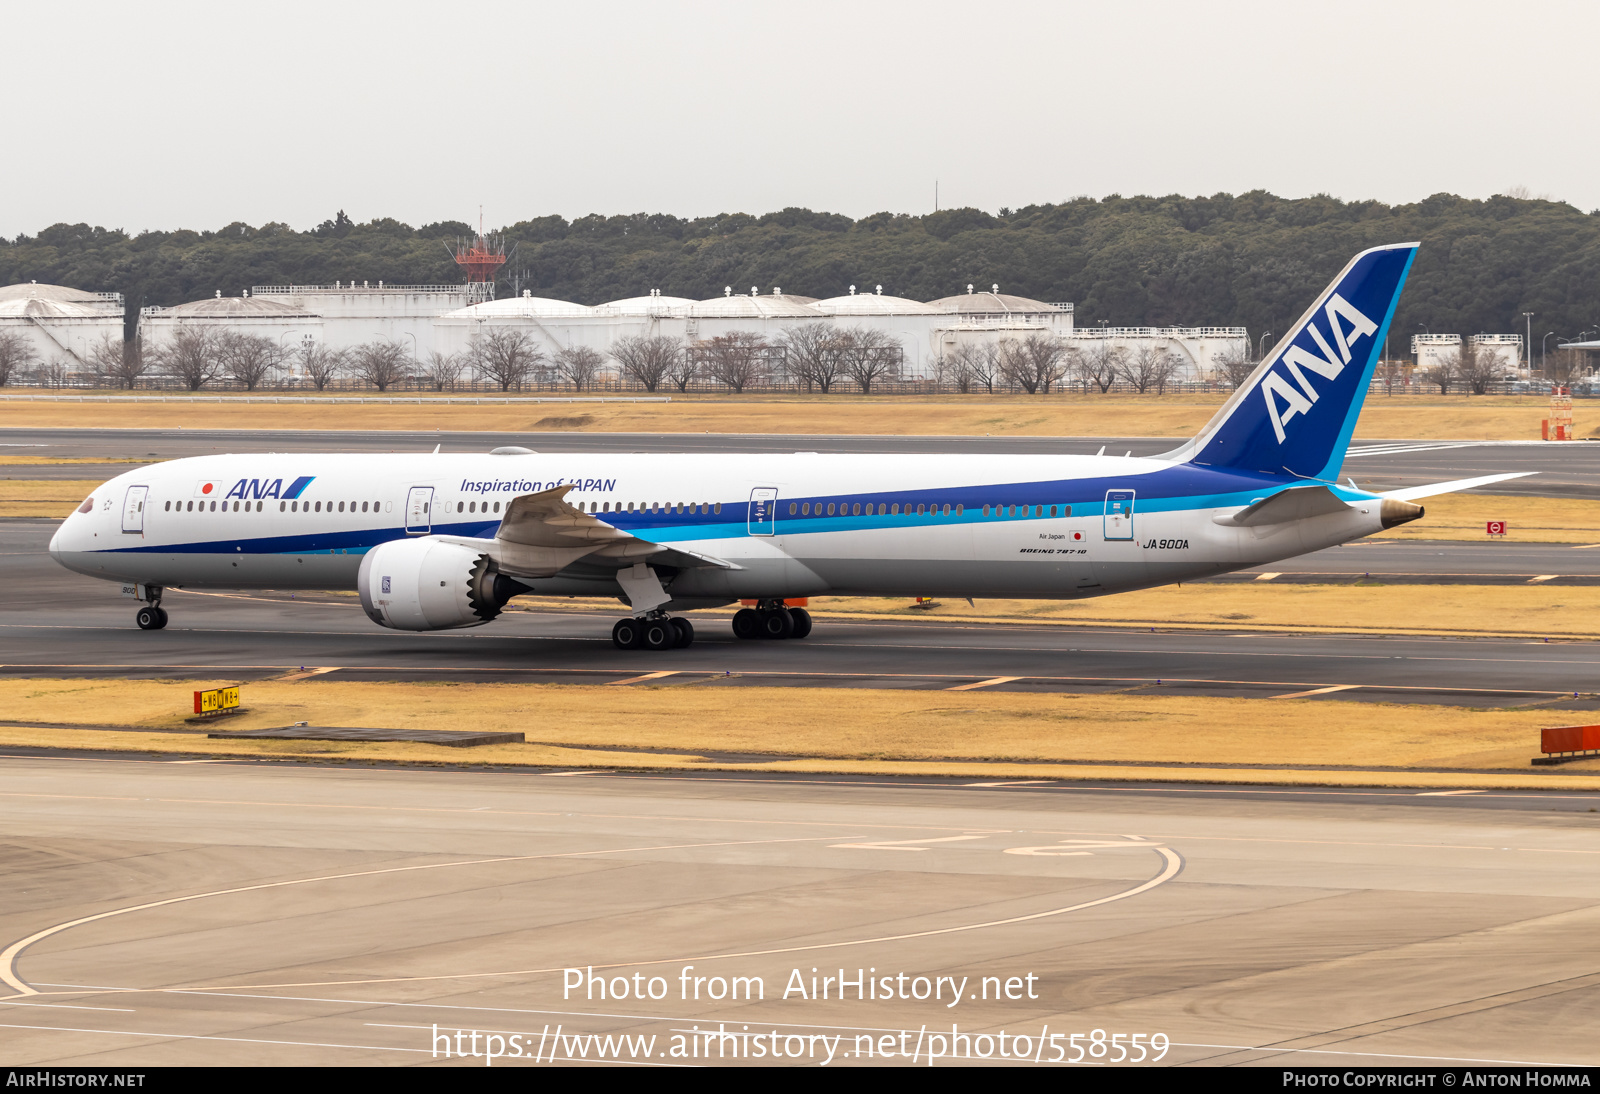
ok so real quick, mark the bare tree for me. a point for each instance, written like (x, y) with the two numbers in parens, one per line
(814, 356)
(1440, 371)
(580, 365)
(737, 358)
(1477, 366)
(249, 359)
(984, 361)
(1015, 368)
(649, 360)
(954, 368)
(1047, 359)
(117, 362)
(16, 355)
(1566, 364)
(1392, 372)
(868, 355)
(1235, 364)
(381, 363)
(443, 370)
(1150, 366)
(506, 356)
(190, 356)
(1101, 364)
(322, 365)
(682, 366)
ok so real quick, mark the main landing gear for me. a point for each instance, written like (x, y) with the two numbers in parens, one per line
(770, 619)
(654, 632)
(151, 617)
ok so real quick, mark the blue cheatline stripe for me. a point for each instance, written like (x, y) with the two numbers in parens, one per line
(297, 486)
(1183, 487)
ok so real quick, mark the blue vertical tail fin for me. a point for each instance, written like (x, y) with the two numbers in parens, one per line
(1295, 413)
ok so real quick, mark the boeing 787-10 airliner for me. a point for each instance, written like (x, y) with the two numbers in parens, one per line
(434, 541)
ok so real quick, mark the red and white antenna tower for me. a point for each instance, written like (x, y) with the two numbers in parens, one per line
(482, 257)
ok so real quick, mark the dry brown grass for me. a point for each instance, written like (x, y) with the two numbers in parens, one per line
(54, 498)
(1474, 418)
(1517, 611)
(915, 732)
(1529, 519)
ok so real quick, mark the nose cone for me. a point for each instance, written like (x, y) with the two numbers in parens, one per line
(55, 543)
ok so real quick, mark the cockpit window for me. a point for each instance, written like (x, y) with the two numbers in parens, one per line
(86, 507)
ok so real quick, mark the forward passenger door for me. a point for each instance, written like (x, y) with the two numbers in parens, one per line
(133, 510)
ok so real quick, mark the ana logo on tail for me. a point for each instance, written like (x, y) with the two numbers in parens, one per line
(1331, 362)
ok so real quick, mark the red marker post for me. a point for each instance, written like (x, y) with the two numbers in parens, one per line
(1495, 528)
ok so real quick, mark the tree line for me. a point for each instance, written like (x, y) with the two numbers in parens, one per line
(1251, 260)
(812, 357)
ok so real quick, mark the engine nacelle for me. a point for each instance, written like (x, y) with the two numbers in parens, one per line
(430, 585)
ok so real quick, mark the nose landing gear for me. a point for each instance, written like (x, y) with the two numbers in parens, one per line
(770, 619)
(151, 617)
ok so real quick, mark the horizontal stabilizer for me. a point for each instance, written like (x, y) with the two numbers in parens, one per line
(1295, 503)
(1411, 493)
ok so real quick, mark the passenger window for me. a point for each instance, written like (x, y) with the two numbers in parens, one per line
(630, 507)
(319, 507)
(294, 507)
(894, 510)
(1052, 510)
(855, 510)
(1066, 510)
(717, 509)
(985, 510)
(213, 507)
(947, 509)
(830, 508)
(260, 505)
(341, 507)
(604, 508)
(282, 505)
(496, 507)
(805, 508)
(958, 510)
(363, 507)
(168, 508)
(793, 508)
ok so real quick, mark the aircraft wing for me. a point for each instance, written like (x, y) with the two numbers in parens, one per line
(1411, 493)
(542, 534)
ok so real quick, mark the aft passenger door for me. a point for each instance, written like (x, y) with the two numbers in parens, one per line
(133, 510)
(419, 516)
(763, 511)
(1119, 514)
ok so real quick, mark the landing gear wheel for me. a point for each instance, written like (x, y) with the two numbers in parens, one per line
(628, 634)
(802, 622)
(149, 618)
(685, 631)
(161, 618)
(746, 623)
(777, 623)
(659, 634)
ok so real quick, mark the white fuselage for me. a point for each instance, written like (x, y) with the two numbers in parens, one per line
(888, 525)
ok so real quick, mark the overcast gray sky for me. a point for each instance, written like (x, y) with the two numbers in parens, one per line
(164, 115)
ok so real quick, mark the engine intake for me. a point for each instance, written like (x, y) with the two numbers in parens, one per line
(429, 584)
